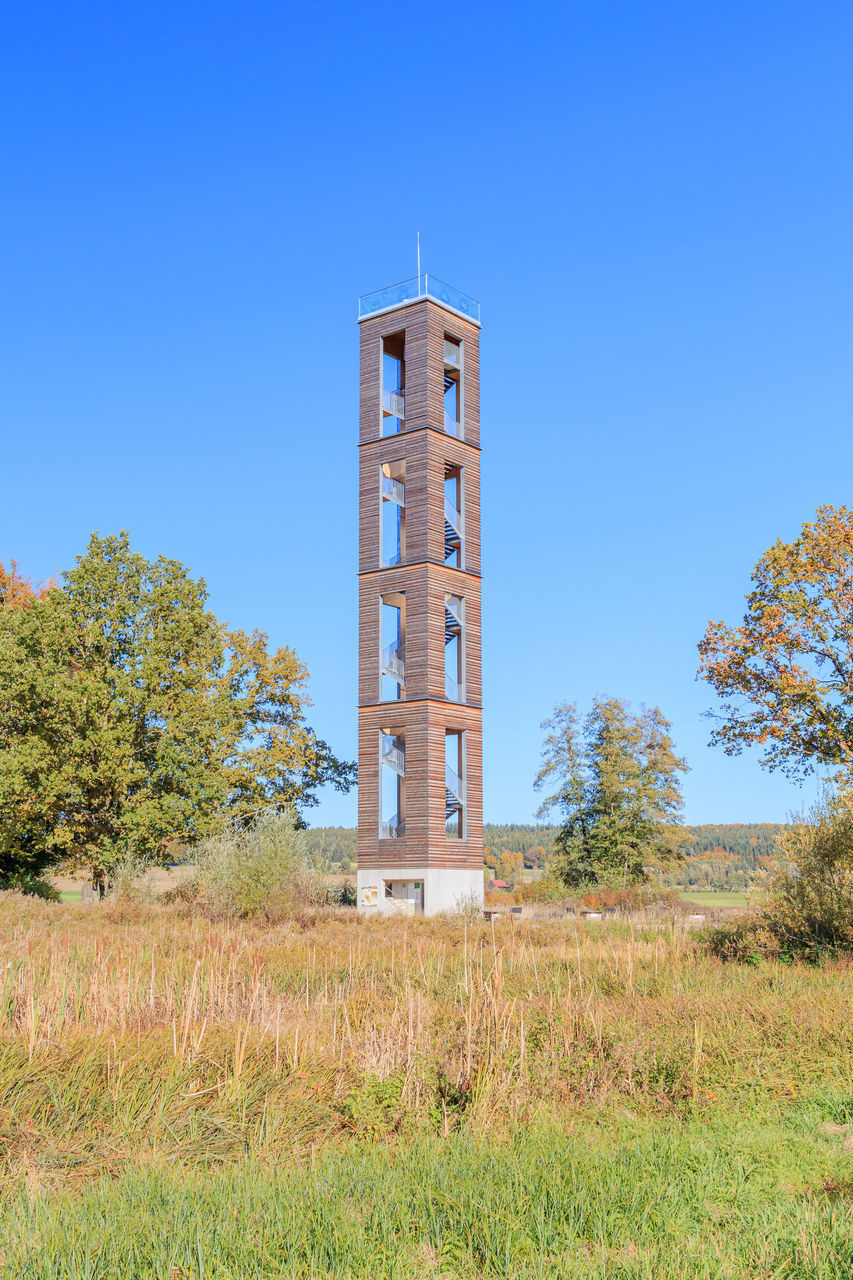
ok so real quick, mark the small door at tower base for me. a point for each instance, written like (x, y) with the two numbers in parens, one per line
(405, 896)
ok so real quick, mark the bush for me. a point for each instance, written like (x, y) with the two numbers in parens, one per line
(128, 896)
(32, 885)
(746, 940)
(127, 879)
(261, 870)
(543, 889)
(809, 902)
(341, 895)
(807, 909)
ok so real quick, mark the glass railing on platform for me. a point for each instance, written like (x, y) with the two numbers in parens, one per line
(423, 286)
(394, 403)
(394, 489)
(395, 759)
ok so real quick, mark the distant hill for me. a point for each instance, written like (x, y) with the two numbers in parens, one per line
(333, 844)
(719, 856)
(338, 844)
(748, 840)
(725, 856)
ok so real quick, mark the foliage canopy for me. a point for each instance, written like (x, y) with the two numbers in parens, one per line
(18, 592)
(614, 777)
(807, 906)
(131, 718)
(785, 676)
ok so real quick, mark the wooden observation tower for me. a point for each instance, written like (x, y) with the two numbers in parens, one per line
(420, 807)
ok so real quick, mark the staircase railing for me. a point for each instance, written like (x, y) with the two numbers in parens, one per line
(452, 354)
(393, 829)
(395, 758)
(453, 782)
(394, 661)
(452, 516)
(394, 402)
(394, 489)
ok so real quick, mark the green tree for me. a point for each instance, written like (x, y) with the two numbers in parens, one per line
(614, 777)
(785, 677)
(809, 900)
(274, 759)
(131, 718)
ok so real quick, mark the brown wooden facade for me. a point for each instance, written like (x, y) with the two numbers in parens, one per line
(425, 714)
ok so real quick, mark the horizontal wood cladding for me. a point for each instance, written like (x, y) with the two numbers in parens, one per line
(425, 715)
(425, 586)
(425, 454)
(426, 843)
(425, 325)
(402, 860)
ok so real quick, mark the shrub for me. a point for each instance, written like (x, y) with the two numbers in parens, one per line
(341, 895)
(543, 889)
(807, 909)
(809, 901)
(745, 939)
(126, 880)
(260, 870)
(127, 892)
(30, 884)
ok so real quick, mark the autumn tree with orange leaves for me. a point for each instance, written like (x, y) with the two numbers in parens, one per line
(18, 592)
(785, 677)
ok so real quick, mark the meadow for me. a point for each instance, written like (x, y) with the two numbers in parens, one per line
(336, 1097)
(713, 898)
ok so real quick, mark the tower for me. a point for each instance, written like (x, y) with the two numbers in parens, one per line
(420, 807)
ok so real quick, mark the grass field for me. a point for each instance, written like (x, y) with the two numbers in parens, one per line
(345, 1098)
(712, 899)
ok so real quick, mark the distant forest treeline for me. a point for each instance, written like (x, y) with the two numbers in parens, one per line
(719, 856)
(726, 856)
(748, 840)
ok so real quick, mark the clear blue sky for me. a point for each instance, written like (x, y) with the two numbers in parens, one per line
(651, 200)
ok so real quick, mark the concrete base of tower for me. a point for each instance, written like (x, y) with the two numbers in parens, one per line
(428, 891)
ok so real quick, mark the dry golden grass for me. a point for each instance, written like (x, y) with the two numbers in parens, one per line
(509, 1093)
(155, 1031)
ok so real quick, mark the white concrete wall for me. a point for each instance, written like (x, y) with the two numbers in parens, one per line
(443, 890)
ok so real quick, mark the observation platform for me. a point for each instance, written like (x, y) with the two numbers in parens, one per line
(414, 290)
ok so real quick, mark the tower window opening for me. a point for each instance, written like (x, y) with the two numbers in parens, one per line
(393, 383)
(392, 656)
(453, 516)
(392, 785)
(454, 643)
(392, 477)
(452, 386)
(454, 783)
